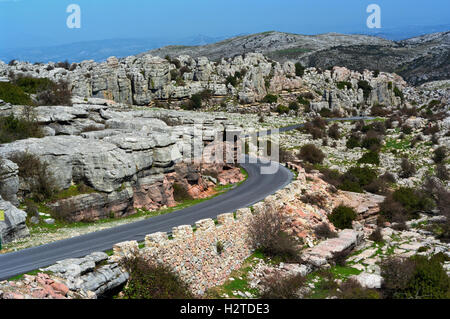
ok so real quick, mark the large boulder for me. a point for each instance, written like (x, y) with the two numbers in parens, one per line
(14, 226)
(9, 181)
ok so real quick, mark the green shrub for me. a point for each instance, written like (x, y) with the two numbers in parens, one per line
(311, 154)
(412, 200)
(365, 86)
(343, 85)
(408, 168)
(219, 247)
(36, 174)
(231, 80)
(270, 98)
(302, 100)
(149, 281)
(33, 85)
(405, 203)
(56, 93)
(417, 277)
(356, 178)
(351, 289)
(353, 141)
(293, 106)
(370, 158)
(406, 129)
(282, 109)
(195, 102)
(342, 217)
(13, 128)
(370, 142)
(299, 69)
(13, 94)
(334, 131)
(440, 154)
(399, 93)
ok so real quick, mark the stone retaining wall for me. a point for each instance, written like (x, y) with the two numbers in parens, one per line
(195, 253)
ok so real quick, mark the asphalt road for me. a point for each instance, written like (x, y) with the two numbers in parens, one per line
(253, 190)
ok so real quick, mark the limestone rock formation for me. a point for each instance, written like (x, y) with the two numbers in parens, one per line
(14, 226)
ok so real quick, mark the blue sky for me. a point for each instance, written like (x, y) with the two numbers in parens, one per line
(27, 23)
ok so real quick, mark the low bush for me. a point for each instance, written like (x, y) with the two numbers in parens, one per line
(302, 100)
(314, 199)
(371, 141)
(365, 86)
(13, 94)
(376, 236)
(405, 203)
(282, 288)
(13, 128)
(440, 154)
(36, 174)
(323, 231)
(266, 232)
(406, 129)
(342, 217)
(299, 69)
(353, 141)
(282, 109)
(270, 98)
(370, 158)
(194, 103)
(398, 93)
(334, 131)
(310, 153)
(442, 172)
(32, 85)
(356, 178)
(293, 106)
(57, 93)
(417, 277)
(351, 289)
(343, 85)
(149, 281)
(408, 169)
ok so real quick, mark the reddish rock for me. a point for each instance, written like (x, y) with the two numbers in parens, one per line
(59, 287)
(39, 294)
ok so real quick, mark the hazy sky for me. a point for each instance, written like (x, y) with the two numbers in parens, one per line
(25, 23)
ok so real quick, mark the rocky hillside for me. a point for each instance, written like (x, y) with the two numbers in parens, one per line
(240, 80)
(418, 60)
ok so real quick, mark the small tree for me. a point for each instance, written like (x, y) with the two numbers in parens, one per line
(311, 154)
(342, 217)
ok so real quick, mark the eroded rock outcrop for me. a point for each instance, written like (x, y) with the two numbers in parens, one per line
(14, 226)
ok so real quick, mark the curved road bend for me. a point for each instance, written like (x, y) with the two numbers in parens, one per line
(253, 190)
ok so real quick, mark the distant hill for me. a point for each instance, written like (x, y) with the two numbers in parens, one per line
(97, 50)
(418, 60)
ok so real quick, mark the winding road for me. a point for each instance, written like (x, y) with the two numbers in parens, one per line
(257, 187)
(254, 189)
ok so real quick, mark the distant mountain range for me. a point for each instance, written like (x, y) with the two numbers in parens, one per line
(418, 59)
(97, 50)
